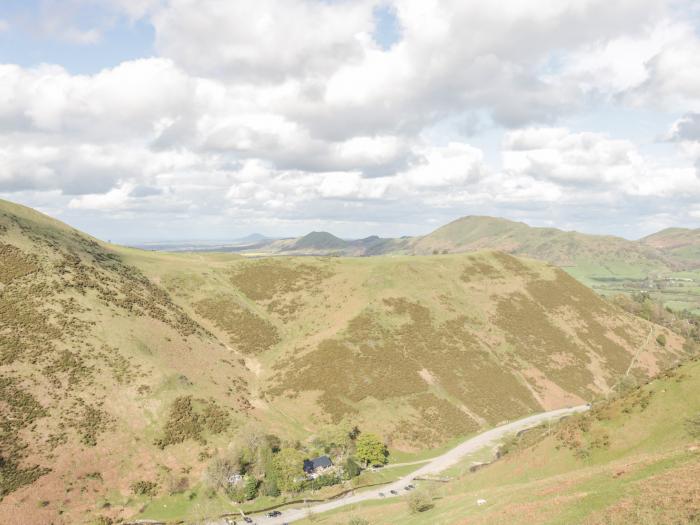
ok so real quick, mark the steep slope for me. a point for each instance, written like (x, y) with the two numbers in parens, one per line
(599, 255)
(634, 459)
(419, 349)
(93, 357)
(680, 244)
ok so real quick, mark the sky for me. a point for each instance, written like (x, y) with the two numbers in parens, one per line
(166, 120)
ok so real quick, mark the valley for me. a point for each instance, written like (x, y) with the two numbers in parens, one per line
(139, 383)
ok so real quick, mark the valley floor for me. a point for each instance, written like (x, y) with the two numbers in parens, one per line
(433, 467)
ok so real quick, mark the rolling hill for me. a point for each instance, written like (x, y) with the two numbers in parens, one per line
(666, 264)
(603, 255)
(119, 367)
(680, 244)
(418, 349)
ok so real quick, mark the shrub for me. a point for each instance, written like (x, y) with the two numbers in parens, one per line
(356, 520)
(419, 501)
(661, 339)
(144, 488)
(183, 423)
(270, 488)
(324, 480)
(352, 469)
(692, 426)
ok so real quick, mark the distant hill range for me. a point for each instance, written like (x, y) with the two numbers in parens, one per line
(607, 255)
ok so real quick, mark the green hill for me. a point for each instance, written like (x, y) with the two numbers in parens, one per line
(680, 244)
(666, 264)
(319, 241)
(596, 255)
(418, 349)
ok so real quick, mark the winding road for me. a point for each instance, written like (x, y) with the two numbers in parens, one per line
(432, 467)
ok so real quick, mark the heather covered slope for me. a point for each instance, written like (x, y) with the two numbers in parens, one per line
(419, 349)
(93, 356)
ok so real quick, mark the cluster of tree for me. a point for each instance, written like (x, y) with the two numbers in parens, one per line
(682, 322)
(260, 463)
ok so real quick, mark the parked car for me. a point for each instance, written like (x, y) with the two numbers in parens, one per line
(248, 520)
(410, 486)
(394, 492)
(274, 514)
(381, 494)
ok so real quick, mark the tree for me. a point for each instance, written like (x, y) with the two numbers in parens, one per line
(352, 469)
(270, 488)
(355, 432)
(219, 471)
(371, 450)
(250, 487)
(289, 467)
(336, 437)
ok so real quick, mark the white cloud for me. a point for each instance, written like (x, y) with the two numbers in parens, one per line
(593, 163)
(262, 40)
(114, 199)
(687, 128)
(285, 110)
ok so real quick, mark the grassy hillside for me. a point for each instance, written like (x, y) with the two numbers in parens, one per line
(600, 256)
(419, 349)
(124, 372)
(632, 460)
(664, 265)
(680, 244)
(93, 356)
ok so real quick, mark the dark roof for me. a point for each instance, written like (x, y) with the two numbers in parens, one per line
(320, 462)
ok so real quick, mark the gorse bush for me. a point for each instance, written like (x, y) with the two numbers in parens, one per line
(184, 422)
(144, 488)
(419, 501)
(692, 426)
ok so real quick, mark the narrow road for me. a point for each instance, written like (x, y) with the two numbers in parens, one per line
(433, 466)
